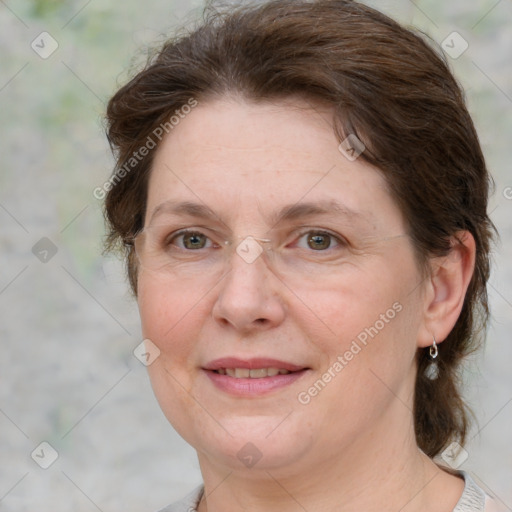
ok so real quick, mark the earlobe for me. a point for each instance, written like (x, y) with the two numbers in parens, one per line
(449, 280)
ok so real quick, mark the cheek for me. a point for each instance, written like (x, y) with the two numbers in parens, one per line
(351, 303)
(172, 317)
(170, 311)
(370, 315)
(370, 357)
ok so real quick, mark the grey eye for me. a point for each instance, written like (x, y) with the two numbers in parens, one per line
(191, 240)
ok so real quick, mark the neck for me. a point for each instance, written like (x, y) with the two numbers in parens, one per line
(372, 474)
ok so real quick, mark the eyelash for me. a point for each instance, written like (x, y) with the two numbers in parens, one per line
(310, 231)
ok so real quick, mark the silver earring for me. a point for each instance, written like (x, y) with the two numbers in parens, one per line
(432, 370)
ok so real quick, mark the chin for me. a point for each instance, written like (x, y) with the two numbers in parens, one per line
(249, 442)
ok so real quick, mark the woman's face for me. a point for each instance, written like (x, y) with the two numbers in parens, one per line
(331, 301)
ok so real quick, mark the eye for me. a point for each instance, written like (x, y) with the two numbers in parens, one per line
(318, 241)
(191, 240)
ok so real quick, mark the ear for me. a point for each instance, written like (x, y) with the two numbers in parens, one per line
(446, 288)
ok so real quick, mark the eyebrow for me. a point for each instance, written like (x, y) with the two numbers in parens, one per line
(287, 213)
(301, 210)
(183, 208)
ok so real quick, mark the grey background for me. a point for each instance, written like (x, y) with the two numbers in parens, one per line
(68, 326)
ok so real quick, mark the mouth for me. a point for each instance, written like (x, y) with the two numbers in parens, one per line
(255, 373)
(254, 377)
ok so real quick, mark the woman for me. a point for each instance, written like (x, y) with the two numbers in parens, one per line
(302, 200)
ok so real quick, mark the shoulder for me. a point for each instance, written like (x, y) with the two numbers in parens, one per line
(475, 499)
(188, 503)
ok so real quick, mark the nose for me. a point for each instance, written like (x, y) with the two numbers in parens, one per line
(249, 298)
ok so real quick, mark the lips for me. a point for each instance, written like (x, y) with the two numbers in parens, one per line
(252, 377)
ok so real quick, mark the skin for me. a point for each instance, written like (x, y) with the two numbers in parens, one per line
(352, 447)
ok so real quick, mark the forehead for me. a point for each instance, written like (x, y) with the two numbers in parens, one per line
(252, 160)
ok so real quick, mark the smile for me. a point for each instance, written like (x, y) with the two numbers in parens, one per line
(254, 377)
(256, 373)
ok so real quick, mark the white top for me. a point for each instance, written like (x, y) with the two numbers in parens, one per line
(473, 499)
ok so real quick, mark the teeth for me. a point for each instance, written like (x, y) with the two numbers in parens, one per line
(256, 373)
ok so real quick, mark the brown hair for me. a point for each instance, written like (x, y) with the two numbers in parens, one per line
(387, 86)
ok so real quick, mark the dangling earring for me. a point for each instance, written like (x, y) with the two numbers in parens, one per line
(432, 370)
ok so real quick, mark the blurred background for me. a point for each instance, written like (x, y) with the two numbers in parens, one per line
(68, 325)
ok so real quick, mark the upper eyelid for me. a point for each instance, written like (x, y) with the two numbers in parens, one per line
(184, 231)
(302, 230)
(281, 226)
